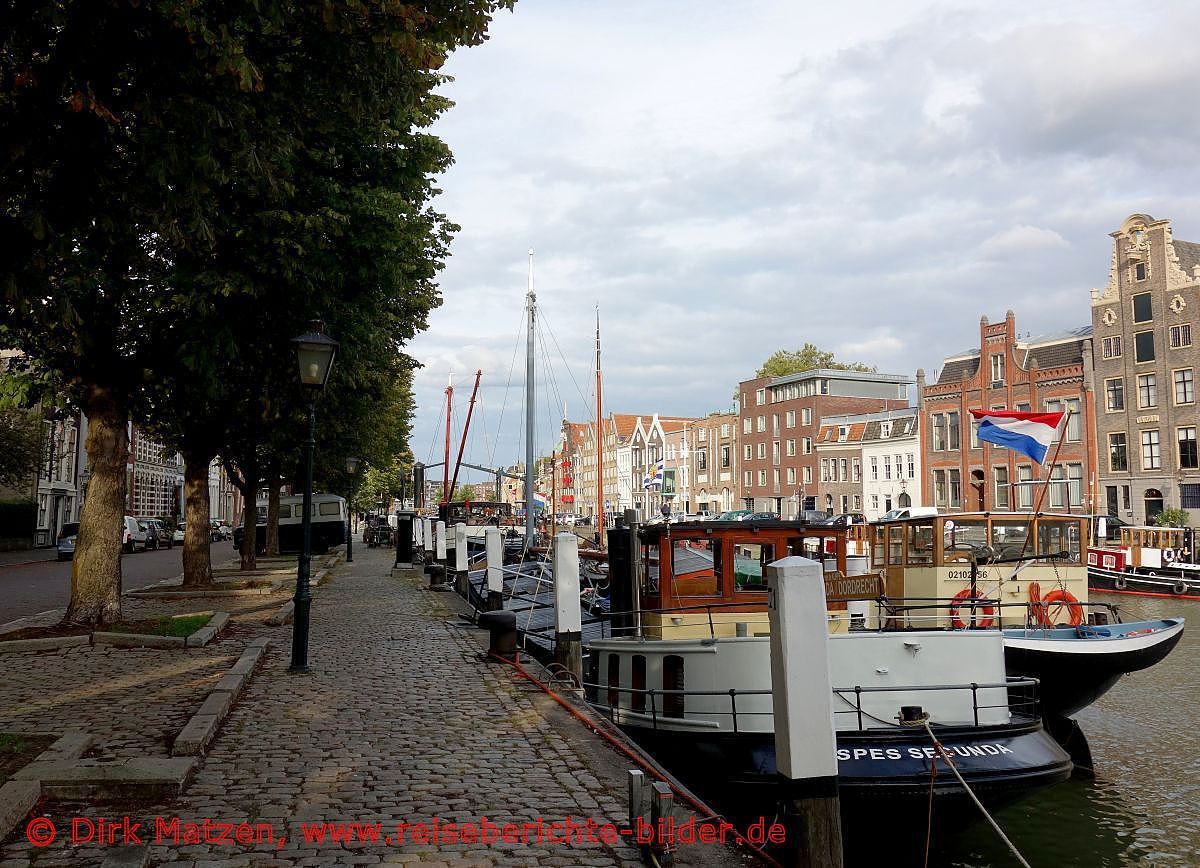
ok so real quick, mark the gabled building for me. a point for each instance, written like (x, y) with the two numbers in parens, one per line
(1145, 372)
(891, 462)
(714, 462)
(1048, 373)
(839, 454)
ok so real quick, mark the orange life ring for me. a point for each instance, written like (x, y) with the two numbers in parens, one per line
(1062, 598)
(989, 612)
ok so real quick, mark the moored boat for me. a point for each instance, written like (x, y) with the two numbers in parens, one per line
(1156, 561)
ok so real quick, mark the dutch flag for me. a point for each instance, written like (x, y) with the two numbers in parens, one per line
(1028, 433)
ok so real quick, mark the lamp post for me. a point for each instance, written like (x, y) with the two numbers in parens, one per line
(351, 467)
(314, 353)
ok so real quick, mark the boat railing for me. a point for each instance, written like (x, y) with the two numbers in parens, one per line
(924, 613)
(661, 706)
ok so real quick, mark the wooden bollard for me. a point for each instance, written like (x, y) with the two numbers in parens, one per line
(568, 621)
(494, 547)
(802, 702)
(461, 578)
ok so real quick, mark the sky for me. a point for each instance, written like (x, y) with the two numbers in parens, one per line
(725, 179)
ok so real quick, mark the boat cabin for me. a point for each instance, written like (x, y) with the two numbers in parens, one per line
(929, 558)
(475, 512)
(1146, 548)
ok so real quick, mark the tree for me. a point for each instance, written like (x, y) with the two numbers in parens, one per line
(1172, 517)
(20, 432)
(808, 358)
(190, 162)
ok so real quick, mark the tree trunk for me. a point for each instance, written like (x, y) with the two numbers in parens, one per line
(96, 569)
(273, 486)
(250, 515)
(197, 560)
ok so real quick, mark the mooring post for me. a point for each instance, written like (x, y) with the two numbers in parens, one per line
(802, 702)
(568, 622)
(437, 570)
(494, 547)
(404, 541)
(418, 538)
(461, 578)
(427, 541)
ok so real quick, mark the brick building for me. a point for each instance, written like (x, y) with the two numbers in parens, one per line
(714, 462)
(1041, 374)
(1145, 372)
(778, 422)
(839, 454)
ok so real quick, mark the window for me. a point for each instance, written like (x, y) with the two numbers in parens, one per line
(1187, 448)
(1147, 390)
(760, 397)
(747, 451)
(997, 369)
(775, 452)
(874, 501)
(1185, 387)
(775, 424)
(806, 445)
(955, 489)
(790, 418)
(952, 424)
(844, 475)
(1111, 348)
(1000, 499)
(1142, 309)
(791, 448)
(1024, 492)
(858, 503)
(285, 511)
(703, 435)
(791, 475)
(887, 467)
(1140, 271)
(762, 450)
(725, 429)
(775, 478)
(939, 432)
(761, 424)
(1058, 476)
(1118, 459)
(762, 477)
(1114, 395)
(1074, 420)
(808, 476)
(672, 703)
(939, 487)
(806, 416)
(637, 698)
(974, 423)
(701, 459)
(725, 456)
(874, 468)
(748, 478)
(912, 466)
(1143, 347)
(1151, 458)
(746, 423)
(824, 469)
(1181, 336)
(857, 470)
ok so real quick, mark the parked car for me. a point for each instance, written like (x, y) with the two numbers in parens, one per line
(762, 516)
(157, 534)
(66, 540)
(134, 535)
(733, 515)
(909, 512)
(177, 534)
(843, 519)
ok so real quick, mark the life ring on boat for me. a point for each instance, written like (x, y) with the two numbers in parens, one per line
(1144, 632)
(1169, 555)
(1063, 598)
(982, 623)
(1119, 583)
(1179, 588)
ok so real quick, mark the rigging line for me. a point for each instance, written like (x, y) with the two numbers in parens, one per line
(429, 456)
(508, 385)
(551, 409)
(565, 363)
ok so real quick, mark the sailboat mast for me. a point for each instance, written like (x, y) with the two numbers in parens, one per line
(446, 460)
(531, 309)
(462, 444)
(599, 442)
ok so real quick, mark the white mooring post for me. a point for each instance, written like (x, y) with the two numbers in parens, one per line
(461, 578)
(427, 539)
(568, 621)
(802, 701)
(494, 547)
(418, 537)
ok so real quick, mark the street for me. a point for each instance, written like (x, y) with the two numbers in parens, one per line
(26, 589)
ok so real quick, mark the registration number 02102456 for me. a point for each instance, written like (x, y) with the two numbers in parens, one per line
(980, 575)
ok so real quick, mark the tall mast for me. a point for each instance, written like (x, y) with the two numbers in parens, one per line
(466, 427)
(446, 460)
(599, 441)
(531, 309)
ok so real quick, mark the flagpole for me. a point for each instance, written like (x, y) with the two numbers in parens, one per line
(1046, 485)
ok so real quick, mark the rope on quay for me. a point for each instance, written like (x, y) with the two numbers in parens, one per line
(950, 762)
(706, 813)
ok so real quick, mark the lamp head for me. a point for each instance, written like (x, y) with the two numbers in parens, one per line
(315, 352)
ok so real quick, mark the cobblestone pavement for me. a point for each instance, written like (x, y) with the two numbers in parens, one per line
(398, 722)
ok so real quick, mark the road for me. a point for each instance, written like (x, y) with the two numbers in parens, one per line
(26, 589)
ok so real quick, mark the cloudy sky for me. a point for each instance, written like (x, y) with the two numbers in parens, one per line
(725, 179)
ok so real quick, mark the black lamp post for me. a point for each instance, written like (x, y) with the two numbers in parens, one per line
(351, 466)
(314, 353)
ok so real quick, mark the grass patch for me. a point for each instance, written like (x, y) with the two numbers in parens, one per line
(17, 751)
(182, 625)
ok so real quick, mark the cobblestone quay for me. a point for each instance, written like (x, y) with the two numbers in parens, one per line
(399, 722)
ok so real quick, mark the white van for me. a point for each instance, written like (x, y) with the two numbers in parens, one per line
(909, 512)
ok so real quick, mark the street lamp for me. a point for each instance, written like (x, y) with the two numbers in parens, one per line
(314, 353)
(351, 467)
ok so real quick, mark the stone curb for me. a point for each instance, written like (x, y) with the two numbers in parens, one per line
(180, 593)
(18, 797)
(283, 615)
(203, 636)
(134, 856)
(149, 777)
(202, 727)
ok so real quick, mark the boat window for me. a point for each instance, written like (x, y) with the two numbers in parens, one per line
(262, 513)
(961, 537)
(896, 544)
(878, 548)
(673, 680)
(614, 680)
(749, 558)
(1008, 538)
(650, 560)
(285, 510)
(1058, 535)
(329, 507)
(638, 699)
(695, 567)
(920, 544)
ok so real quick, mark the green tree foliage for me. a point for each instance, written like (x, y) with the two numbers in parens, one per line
(1172, 517)
(185, 184)
(20, 431)
(808, 358)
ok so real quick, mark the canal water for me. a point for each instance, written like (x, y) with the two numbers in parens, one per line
(1143, 808)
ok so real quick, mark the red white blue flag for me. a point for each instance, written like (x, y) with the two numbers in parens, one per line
(1028, 433)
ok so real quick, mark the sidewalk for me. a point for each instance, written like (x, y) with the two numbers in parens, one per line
(399, 722)
(28, 556)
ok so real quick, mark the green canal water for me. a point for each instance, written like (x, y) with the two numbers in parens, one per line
(1143, 808)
